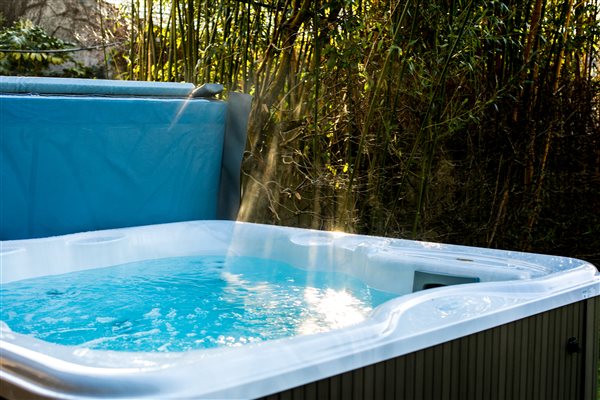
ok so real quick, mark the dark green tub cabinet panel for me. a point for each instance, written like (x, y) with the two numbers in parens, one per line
(552, 355)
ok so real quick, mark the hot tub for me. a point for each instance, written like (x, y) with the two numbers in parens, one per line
(463, 322)
(144, 170)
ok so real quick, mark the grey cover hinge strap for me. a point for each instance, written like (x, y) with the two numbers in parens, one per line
(208, 90)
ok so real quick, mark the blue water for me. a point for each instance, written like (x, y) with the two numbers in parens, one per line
(184, 303)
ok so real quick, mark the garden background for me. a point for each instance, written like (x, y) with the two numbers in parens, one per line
(459, 121)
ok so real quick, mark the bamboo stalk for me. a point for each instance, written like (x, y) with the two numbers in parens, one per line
(551, 131)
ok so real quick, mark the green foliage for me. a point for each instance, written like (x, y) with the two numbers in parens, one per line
(457, 121)
(24, 36)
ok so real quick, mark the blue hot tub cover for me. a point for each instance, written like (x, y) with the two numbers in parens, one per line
(80, 155)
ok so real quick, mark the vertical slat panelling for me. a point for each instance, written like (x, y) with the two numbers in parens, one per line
(465, 367)
(589, 355)
(335, 387)
(553, 357)
(457, 371)
(480, 354)
(512, 357)
(494, 364)
(531, 373)
(521, 376)
(310, 391)
(400, 387)
(591, 348)
(574, 326)
(571, 359)
(559, 356)
(502, 364)
(446, 367)
(419, 374)
(532, 356)
(529, 356)
(515, 350)
(437, 371)
(566, 358)
(428, 372)
(489, 368)
(298, 393)
(562, 328)
(536, 337)
(577, 362)
(564, 321)
(379, 381)
(470, 350)
(543, 382)
(358, 383)
(583, 328)
(438, 377)
(390, 379)
(409, 377)
(369, 382)
(526, 359)
(287, 395)
(581, 323)
(539, 339)
(323, 392)
(347, 385)
(576, 330)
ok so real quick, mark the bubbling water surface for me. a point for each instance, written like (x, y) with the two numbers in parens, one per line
(185, 303)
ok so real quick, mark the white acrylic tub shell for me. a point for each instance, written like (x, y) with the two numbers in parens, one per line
(512, 286)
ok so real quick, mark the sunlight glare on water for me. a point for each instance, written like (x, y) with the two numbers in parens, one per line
(184, 303)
